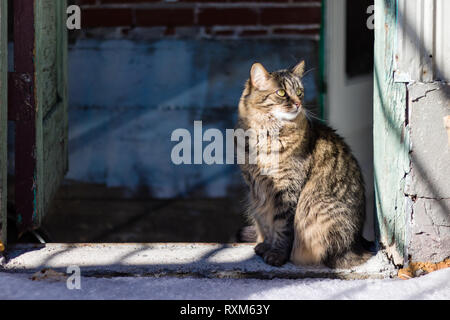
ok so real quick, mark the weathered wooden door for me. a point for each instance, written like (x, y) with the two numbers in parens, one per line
(37, 95)
(3, 119)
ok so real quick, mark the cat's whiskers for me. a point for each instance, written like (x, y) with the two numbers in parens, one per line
(310, 115)
(306, 72)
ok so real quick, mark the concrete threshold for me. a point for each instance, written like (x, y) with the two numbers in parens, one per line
(174, 259)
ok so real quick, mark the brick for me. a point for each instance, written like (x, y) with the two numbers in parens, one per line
(197, 1)
(106, 17)
(164, 17)
(201, 1)
(128, 2)
(258, 1)
(83, 2)
(297, 15)
(224, 32)
(293, 31)
(233, 1)
(227, 16)
(170, 31)
(252, 33)
(307, 1)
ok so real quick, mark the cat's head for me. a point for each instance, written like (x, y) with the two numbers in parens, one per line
(274, 95)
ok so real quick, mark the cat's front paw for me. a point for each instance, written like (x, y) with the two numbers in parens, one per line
(262, 248)
(275, 258)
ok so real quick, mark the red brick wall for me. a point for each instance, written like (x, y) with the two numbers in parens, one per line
(207, 18)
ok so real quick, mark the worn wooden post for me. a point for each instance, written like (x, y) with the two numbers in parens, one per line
(3, 119)
(51, 94)
(38, 105)
(391, 140)
(22, 109)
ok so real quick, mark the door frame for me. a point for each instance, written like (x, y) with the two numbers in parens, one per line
(3, 119)
(37, 92)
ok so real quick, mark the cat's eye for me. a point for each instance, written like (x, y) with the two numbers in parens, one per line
(299, 92)
(281, 93)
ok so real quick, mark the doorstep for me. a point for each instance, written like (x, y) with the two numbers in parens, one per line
(209, 260)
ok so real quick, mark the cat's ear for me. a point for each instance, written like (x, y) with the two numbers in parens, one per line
(259, 77)
(299, 69)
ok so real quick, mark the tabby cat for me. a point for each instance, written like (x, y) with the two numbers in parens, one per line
(310, 207)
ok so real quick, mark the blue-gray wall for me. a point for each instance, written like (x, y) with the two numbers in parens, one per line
(126, 98)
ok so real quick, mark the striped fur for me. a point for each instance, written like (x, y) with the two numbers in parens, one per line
(311, 208)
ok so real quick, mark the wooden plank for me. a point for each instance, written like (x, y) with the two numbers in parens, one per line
(62, 74)
(23, 107)
(46, 54)
(54, 154)
(3, 118)
(38, 91)
(51, 92)
(391, 136)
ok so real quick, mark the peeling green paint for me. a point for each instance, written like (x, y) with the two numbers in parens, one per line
(51, 104)
(391, 136)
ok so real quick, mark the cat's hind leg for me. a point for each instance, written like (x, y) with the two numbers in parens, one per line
(321, 230)
(307, 249)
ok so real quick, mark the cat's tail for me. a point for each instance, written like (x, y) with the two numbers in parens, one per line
(359, 254)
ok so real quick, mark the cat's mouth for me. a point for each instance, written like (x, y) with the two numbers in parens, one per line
(287, 115)
(295, 109)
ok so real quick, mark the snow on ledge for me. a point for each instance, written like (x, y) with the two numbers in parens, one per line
(175, 259)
